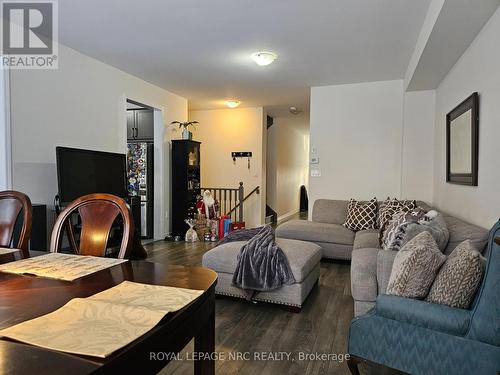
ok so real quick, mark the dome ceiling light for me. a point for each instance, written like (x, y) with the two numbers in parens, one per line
(232, 103)
(264, 58)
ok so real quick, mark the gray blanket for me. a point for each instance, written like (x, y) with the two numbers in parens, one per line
(262, 265)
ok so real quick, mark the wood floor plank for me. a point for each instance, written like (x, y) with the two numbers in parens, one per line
(241, 326)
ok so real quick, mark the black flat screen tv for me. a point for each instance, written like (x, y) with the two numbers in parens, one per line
(81, 172)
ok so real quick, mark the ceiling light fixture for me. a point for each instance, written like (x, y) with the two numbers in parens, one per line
(232, 103)
(264, 58)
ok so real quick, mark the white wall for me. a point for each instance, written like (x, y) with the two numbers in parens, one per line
(418, 145)
(356, 131)
(81, 104)
(477, 70)
(222, 131)
(287, 163)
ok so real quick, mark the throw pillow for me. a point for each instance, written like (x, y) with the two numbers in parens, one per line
(434, 223)
(394, 235)
(457, 281)
(361, 215)
(415, 267)
(390, 207)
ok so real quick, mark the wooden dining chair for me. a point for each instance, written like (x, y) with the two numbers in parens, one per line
(12, 203)
(98, 212)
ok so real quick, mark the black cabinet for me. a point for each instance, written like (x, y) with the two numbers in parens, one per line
(185, 183)
(140, 124)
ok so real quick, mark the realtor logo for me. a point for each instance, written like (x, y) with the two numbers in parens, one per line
(29, 34)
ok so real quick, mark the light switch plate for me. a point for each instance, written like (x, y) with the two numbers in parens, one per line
(315, 173)
(314, 159)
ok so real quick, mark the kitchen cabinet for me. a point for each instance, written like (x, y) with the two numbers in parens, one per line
(140, 124)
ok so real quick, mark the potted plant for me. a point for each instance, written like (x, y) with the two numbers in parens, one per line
(186, 134)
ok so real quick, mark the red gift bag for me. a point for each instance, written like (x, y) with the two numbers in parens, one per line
(221, 226)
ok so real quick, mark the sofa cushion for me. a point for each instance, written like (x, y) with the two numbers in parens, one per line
(302, 256)
(361, 215)
(460, 231)
(366, 238)
(458, 279)
(415, 267)
(315, 232)
(329, 211)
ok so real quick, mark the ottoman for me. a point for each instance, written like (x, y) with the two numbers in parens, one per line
(304, 259)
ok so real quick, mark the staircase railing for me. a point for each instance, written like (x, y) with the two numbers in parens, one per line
(228, 198)
(239, 206)
(231, 200)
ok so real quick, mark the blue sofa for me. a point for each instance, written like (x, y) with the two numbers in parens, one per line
(419, 337)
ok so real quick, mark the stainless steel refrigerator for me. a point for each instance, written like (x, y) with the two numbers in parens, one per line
(140, 171)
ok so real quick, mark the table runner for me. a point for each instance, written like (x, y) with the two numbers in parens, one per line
(105, 322)
(60, 266)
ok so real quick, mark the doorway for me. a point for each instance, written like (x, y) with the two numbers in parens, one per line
(287, 165)
(141, 163)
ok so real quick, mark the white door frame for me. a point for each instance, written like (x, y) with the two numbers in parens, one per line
(5, 132)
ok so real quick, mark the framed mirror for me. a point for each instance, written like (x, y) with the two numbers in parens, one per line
(462, 141)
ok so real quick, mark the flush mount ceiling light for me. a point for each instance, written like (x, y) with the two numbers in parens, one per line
(232, 103)
(264, 58)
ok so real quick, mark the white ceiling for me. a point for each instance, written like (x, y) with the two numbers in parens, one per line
(200, 49)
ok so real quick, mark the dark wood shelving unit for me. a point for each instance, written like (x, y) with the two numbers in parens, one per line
(186, 183)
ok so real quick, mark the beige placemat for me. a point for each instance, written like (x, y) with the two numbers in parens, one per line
(8, 250)
(60, 266)
(105, 322)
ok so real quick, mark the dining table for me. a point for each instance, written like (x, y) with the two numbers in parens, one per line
(25, 297)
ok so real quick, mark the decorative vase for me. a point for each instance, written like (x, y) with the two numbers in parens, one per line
(186, 134)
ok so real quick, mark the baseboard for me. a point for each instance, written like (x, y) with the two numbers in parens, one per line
(287, 215)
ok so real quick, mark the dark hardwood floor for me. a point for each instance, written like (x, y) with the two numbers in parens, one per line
(321, 327)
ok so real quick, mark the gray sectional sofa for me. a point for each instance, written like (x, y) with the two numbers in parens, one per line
(370, 265)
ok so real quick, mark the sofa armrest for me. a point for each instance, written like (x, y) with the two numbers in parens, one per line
(364, 275)
(385, 259)
(424, 314)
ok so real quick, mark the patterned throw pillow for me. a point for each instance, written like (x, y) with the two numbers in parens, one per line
(361, 215)
(391, 206)
(394, 235)
(415, 267)
(457, 281)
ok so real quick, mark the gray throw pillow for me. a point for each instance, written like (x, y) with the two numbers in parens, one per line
(457, 281)
(433, 223)
(415, 267)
